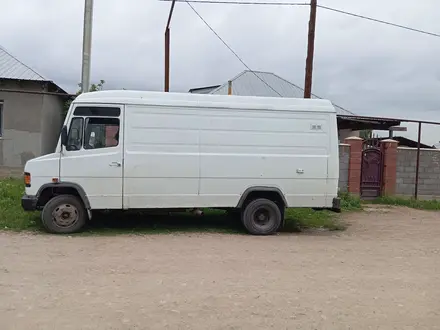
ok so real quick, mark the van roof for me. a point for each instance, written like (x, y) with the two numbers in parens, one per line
(205, 101)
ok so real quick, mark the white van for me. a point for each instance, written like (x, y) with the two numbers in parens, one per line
(122, 150)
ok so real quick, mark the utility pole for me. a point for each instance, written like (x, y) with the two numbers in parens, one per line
(310, 51)
(87, 46)
(167, 49)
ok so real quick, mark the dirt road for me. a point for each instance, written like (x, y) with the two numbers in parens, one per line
(382, 273)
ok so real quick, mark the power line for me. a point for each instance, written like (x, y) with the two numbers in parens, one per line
(232, 51)
(380, 21)
(240, 59)
(244, 2)
(235, 2)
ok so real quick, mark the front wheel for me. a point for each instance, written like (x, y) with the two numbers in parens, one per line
(262, 217)
(64, 214)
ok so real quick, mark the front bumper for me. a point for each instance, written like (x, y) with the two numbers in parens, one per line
(29, 203)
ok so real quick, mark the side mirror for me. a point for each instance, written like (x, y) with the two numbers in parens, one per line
(64, 136)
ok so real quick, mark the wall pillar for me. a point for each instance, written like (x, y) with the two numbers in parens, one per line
(354, 164)
(389, 149)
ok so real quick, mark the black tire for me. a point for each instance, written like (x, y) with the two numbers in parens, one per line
(64, 214)
(262, 217)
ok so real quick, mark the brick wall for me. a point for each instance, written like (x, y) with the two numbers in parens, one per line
(344, 159)
(429, 172)
(354, 164)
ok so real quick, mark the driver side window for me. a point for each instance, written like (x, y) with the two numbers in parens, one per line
(101, 133)
(75, 137)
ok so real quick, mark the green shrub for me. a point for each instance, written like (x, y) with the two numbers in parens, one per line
(350, 202)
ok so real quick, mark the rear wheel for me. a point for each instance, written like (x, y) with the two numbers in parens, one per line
(64, 214)
(262, 217)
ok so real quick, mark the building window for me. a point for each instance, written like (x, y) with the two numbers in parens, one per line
(1, 118)
(101, 133)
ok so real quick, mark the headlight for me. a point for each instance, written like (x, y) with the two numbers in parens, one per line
(27, 179)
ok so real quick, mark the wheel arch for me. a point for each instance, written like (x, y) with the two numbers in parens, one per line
(273, 193)
(49, 190)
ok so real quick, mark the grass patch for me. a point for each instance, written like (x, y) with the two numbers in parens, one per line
(350, 202)
(298, 219)
(12, 217)
(432, 205)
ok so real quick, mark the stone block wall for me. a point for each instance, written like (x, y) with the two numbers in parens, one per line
(429, 172)
(344, 159)
(389, 178)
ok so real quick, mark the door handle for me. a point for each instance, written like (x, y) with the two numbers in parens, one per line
(115, 164)
(300, 171)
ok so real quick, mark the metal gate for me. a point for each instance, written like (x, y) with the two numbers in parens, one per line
(371, 169)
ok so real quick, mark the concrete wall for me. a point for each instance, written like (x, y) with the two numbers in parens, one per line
(31, 122)
(51, 122)
(429, 172)
(18, 147)
(21, 138)
(345, 133)
(11, 172)
(344, 158)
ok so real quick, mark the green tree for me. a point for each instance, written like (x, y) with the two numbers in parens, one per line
(93, 88)
(366, 134)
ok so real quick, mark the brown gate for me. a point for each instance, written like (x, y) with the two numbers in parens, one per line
(371, 170)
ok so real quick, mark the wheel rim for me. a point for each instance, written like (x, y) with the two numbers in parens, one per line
(65, 215)
(263, 217)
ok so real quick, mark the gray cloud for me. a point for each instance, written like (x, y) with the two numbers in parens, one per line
(364, 66)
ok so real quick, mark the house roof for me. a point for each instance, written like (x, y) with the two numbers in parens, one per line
(406, 142)
(12, 68)
(259, 83)
(203, 90)
(354, 122)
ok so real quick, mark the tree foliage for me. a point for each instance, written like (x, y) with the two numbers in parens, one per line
(366, 134)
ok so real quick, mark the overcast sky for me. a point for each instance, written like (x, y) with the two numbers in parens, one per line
(369, 68)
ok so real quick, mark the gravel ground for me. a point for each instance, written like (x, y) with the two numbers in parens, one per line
(382, 273)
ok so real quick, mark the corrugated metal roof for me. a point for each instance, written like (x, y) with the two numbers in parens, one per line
(13, 68)
(258, 83)
(203, 90)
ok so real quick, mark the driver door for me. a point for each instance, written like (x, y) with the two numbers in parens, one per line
(92, 157)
